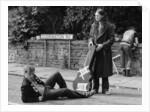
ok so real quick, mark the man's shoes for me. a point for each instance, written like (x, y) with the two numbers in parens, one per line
(89, 93)
(124, 72)
(106, 92)
(128, 73)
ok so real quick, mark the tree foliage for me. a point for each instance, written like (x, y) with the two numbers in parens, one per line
(50, 19)
(79, 19)
(25, 22)
(22, 24)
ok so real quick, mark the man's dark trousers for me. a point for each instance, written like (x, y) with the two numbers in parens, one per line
(63, 91)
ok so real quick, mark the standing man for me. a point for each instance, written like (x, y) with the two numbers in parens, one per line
(128, 42)
(102, 36)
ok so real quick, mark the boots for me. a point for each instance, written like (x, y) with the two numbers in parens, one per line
(124, 72)
(128, 73)
(89, 93)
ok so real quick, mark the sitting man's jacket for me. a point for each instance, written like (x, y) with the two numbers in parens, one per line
(29, 92)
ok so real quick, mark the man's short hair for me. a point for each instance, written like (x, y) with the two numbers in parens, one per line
(28, 68)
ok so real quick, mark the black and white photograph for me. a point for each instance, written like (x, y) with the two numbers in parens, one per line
(74, 55)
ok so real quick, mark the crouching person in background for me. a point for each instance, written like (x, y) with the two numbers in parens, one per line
(128, 43)
(35, 90)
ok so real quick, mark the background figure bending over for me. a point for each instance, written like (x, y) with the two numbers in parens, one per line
(128, 42)
(102, 36)
(35, 90)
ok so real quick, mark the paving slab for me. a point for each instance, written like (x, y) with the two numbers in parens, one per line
(116, 80)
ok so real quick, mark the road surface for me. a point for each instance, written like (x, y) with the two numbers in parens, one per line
(119, 96)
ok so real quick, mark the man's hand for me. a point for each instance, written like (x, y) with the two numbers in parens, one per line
(135, 44)
(100, 46)
(90, 43)
(40, 98)
(117, 39)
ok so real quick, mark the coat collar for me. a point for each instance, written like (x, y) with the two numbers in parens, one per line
(103, 30)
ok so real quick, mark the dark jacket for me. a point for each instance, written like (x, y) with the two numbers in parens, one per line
(102, 66)
(29, 92)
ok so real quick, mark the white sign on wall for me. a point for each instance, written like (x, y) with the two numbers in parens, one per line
(57, 36)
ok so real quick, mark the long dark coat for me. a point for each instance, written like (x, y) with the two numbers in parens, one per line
(102, 66)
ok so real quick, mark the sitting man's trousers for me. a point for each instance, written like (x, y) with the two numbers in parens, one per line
(63, 91)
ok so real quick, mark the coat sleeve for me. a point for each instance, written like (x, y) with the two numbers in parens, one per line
(38, 80)
(27, 92)
(25, 95)
(111, 37)
(91, 39)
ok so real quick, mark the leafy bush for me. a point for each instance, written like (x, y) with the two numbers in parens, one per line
(26, 22)
(22, 24)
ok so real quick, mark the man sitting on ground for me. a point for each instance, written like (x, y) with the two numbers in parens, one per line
(35, 90)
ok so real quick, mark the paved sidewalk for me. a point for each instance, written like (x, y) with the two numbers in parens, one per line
(117, 81)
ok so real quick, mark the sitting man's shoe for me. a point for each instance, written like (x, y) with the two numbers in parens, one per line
(106, 92)
(89, 93)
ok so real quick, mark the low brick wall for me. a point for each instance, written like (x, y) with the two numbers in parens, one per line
(55, 53)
